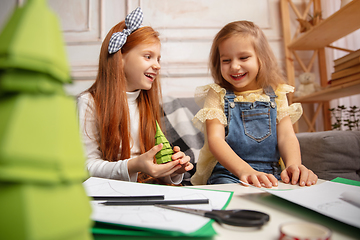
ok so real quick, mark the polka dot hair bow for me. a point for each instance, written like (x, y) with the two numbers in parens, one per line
(132, 22)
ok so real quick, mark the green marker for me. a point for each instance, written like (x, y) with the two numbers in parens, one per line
(164, 155)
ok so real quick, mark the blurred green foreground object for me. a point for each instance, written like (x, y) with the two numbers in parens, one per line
(164, 155)
(41, 155)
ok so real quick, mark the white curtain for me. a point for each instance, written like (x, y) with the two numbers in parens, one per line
(351, 42)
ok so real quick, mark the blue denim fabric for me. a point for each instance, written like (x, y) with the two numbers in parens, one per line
(251, 133)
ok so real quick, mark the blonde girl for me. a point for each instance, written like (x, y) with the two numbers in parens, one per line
(245, 116)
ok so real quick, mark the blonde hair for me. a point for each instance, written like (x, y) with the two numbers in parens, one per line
(269, 72)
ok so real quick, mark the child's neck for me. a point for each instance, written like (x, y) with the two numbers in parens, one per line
(247, 88)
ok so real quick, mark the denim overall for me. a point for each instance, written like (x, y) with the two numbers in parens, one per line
(251, 133)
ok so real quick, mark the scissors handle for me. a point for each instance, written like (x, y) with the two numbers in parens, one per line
(243, 218)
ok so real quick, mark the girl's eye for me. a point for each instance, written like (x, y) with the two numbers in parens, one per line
(244, 58)
(226, 60)
(147, 56)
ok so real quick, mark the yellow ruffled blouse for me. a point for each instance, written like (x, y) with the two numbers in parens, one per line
(211, 97)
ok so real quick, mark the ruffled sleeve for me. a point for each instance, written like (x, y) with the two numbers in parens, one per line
(211, 99)
(294, 110)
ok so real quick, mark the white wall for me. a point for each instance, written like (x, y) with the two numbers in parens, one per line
(186, 28)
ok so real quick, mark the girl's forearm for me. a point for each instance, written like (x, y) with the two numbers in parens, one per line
(290, 151)
(291, 160)
(227, 157)
(133, 165)
(222, 151)
(288, 143)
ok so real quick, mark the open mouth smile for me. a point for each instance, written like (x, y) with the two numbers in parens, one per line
(238, 76)
(150, 76)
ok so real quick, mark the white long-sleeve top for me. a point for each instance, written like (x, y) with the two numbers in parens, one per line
(99, 167)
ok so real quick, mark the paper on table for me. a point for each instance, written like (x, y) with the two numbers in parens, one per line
(326, 198)
(150, 216)
(351, 197)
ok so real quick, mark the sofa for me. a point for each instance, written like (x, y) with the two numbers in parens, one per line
(329, 154)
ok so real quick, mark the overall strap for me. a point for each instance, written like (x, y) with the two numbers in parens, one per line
(228, 103)
(270, 92)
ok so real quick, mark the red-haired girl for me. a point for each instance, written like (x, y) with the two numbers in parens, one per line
(118, 113)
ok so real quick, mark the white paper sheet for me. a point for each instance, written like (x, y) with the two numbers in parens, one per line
(151, 216)
(327, 198)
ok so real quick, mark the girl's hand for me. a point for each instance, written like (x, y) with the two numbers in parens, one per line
(184, 160)
(259, 179)
(298, 173)
(145, 163)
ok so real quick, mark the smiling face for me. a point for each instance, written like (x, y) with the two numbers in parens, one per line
(239, 63)
(141, 66)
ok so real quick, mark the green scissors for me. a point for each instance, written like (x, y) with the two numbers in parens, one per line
(237, 217)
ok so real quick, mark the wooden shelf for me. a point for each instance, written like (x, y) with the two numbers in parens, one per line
(341, 23)
(338, 25)
(330, 93)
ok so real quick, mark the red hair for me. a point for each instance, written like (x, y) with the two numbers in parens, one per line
(109, 93)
